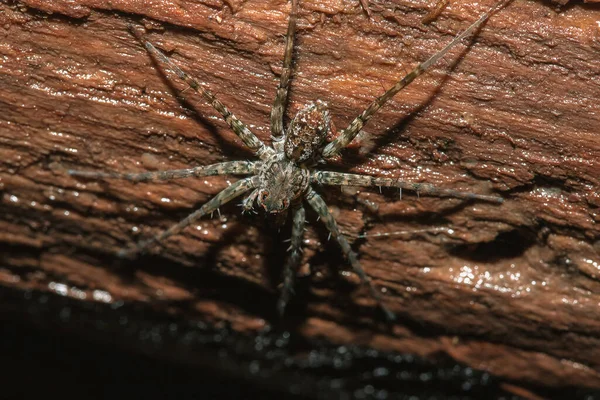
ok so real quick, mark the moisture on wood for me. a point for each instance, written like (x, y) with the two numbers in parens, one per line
(511, 289)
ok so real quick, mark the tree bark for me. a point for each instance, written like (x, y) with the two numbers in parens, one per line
(511, 289)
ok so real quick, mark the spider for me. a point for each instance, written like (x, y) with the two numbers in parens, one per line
(283, 177)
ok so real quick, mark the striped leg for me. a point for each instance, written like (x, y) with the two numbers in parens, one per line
(248, 202)
(239, 128)
(348, 134)
(293, 259)
(224, 168)
(317, 203)
(282, 90)
(226, 195)
(341, 179)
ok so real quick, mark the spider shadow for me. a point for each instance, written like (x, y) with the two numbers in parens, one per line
(430, 218)
(336, 263)
(425, 217)
(331, 258)
(192, 273)
(199, 275)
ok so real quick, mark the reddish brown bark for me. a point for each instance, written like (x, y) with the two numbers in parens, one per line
(513, 290)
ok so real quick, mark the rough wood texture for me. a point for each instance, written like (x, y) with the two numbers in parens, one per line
(512, 289)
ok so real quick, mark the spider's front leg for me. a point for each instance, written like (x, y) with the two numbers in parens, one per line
(318, 204)
(284, 80)
(238, 127)
(341, 179)
(348, 134)
(293, 259)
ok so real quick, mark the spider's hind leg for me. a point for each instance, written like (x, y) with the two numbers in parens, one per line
(226, 195)
(318, 204)
(293, 259)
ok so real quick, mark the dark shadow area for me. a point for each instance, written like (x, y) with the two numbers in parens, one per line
(506, 245)
(67, 362)
(132, 350)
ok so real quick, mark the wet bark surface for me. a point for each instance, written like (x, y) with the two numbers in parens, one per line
(510, 289)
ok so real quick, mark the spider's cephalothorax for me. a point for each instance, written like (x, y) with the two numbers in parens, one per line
(282, 179)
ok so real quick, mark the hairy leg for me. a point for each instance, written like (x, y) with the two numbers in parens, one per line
(293, 259)
(226, 195)
(317, 203)
(348, 134)
(239, 128)
(248, 202)
(225, 168)
(282, 90)
(341, 179)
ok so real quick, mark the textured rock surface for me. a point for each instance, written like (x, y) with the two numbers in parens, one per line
(511, 289)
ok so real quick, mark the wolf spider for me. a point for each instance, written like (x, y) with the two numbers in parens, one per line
(285, 174)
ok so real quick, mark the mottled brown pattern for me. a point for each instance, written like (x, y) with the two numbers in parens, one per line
(512, 290)
(281, 182)
(307, 132)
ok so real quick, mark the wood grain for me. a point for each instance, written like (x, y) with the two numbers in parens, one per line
(511, 289)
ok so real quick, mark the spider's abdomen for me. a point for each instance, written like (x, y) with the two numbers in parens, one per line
(307, 132)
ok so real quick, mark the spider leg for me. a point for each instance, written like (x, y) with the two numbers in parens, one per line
(224, 168)
(282, 90)
(318, 204)
(238, 127)
(348, 134)
(248, 202)
(226, 195)
(341, 179)
(293, 259)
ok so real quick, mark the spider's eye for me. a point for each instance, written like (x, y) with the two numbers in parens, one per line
(263, 195)
(285, 203)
